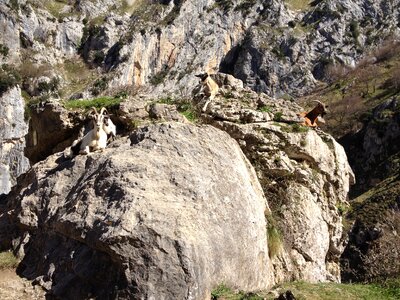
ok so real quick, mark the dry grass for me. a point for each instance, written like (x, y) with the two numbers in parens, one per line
(78, 76)
(8, 260)
(300, 5)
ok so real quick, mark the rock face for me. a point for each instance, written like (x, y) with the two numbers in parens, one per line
(373, 249)
(287, 55)
(373, 150)
(169, 213)
(270, 45)
(304, 174)
(12, 139)
(52, 128)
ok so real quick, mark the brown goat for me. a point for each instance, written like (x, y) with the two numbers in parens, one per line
(310, 118)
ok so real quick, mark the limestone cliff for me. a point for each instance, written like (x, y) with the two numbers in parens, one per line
(275, 46)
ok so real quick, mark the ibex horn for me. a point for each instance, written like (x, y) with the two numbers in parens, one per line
(93, 109)
(103, 109)
(319, 102)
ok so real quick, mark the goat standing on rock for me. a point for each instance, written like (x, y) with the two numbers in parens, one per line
(96, 138)
(210, 88)
(310, 118)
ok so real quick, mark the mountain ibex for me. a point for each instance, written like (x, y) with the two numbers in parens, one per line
(210, 88)
(95, 139)
(310, 118)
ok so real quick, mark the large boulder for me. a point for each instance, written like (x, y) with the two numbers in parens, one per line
(169, 213)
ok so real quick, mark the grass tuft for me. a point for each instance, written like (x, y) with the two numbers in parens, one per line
(273, 236)
(318, 291)
(8, 260)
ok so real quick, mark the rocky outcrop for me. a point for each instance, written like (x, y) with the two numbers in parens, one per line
(372, 252)
(168, 213)
(52, 128)
(13, 129)
(304, 174)
(373, 150)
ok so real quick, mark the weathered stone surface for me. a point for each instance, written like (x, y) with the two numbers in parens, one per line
(10, 35)
(13, 129)
(13, 287)
(52, 128)
(165, 112)
(305, 177)
(169, 213)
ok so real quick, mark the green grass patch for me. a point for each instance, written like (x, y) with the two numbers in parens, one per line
(334, 291)
(8, 260)
(223, 292)
(55, 7)
(190, 114)
(107, 102)
(318, 291)
(265, 108)
(298, 128)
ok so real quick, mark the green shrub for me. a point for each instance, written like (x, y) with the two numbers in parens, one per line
(14, 5)
(278, 116)
(188, 111)
(98, 57)
(8, 78)
(224, 5)
(159, 77)
(354, 29)
(220, 291)
(245, 6)
(99, 86)
(48, 87)
(4, 50)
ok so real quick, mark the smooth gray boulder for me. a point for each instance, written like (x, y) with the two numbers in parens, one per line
(169, 213)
